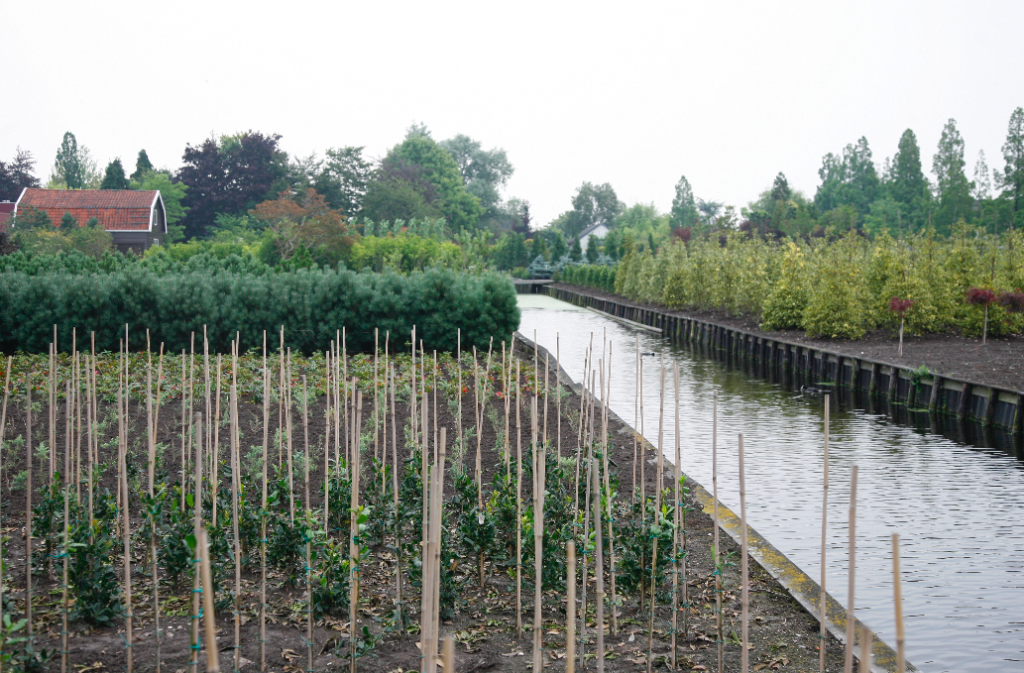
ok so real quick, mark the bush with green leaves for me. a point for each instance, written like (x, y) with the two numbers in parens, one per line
(311, 304)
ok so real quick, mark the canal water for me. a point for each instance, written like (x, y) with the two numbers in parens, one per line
(958, 507)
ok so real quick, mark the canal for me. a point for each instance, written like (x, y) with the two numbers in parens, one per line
(956, 504)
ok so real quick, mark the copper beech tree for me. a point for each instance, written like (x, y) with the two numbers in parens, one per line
(306, 223)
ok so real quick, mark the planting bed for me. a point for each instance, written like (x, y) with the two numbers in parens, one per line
(782, 635)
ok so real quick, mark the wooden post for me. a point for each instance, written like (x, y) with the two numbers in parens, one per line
(67, 526)
(851, 617)
(538, 538)
(210, 621)
(823, 631)
(263, 511)
(570, 612)
(197, 527)
(678, 559)
(718, 567)
(236, 479)
(744, 574)
(394, 490)
(598, 568)
(659, 476)
(901, 663)
(519, 510)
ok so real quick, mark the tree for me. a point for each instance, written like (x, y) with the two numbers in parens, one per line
(850, 179)
(306, 226)
(433, 173)
(172, 194)
(1012, 179)
(114, 178)
(343, 179)
(780, 188)
(709, 211)
(982, 180)
(142, 166)
(68, 222)
(228, 176)
(576, 252)
(484, 172)
(593, 249)
(592, 204)
(954, 190)
(16, 175)
(68, 166)
(684, 209)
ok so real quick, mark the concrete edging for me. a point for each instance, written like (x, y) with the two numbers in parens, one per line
(795, 581)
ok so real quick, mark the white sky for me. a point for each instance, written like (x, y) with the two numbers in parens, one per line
(635, 94)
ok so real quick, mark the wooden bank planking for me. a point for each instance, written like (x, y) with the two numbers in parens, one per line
(938, 396)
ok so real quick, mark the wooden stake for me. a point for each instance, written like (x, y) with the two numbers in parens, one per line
(288, 441)
(28, 505)
(570, 612)
(606, 396)
(598, 567)
(210, 619)
(539, 469)
(506, 384)
(479, 431)
(822, 632)
(376, 399)
(901, 662)
(519, 508)
(151, 459)
(448, 654)
(3, 432)
(744, 574)
(458, 368)
(866, 641)
(236, 478)
(126, 530)
(718, 566)
(214, 429)
(354, 531)
(184, 433)
(679, 559)
(851, 617)
(263, 511)
(657, 511)
(558, 393)
(197, 526)
(636, 417)
(394, 490)
(67, 527)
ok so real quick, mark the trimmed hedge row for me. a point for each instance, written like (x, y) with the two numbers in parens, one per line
(589, 275)
(311, 304)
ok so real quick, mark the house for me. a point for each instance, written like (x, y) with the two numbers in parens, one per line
(6, 210)
(598, 230)
(136, 219)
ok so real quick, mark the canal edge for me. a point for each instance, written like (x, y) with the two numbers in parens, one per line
(795, 581)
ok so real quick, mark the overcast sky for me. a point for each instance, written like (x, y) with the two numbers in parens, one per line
(634, 94)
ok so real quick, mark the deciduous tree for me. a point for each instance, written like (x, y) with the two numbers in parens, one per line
(308, 225)
(74, 168)
(16, 175)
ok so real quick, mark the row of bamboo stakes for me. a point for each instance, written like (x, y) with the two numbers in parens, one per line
(347, 401)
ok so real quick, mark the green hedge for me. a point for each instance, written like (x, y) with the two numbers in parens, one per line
(310, 304)
(589, 275)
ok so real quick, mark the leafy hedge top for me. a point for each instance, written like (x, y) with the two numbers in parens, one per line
(311, 305)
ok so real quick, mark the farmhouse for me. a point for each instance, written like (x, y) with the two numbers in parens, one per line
(136, 219)
(595, 230)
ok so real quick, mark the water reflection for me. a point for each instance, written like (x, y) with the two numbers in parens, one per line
(954, 492)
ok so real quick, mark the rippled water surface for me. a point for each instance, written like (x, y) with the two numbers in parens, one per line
(958, 508)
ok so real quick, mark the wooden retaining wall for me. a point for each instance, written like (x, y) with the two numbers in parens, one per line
(988, 405)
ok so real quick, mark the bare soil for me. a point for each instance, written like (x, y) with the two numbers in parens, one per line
(783, 635)
(999, 362)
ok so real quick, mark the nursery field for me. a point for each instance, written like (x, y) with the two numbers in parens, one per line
(332, 542)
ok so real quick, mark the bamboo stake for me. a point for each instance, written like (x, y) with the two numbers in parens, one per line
(586, 534)
(184, 433)
(280, 404)
(558, 393)
(547, 368)
(570, 613)
(90, 428)
(197, 526)
(384, 416)
(458, 361)
(28, 506)
(327, 441)
(506, 384)
(52, 410)
(206, 390)
(338, 404)
(288, 441)
(263, 511)
(901, 663)
(657, 510)
(719, 639)
(394, 490)
(866, 641)
(851, 617)
(126, 530)
(479, 430)
(191, 386)
(235, 485)
(598, 567)
(539, 469)
(77, 388)
(376, 400)
(67, 526)
(437, 517)
(448, 654)
(607, 395)
(214, 428)
(643, 449)
(744, 574)
(822, 633)
(210, 621)
(636, 415)
(151, 459)
(519, 507)
(354, 532)
(678, 560)
(3, 432)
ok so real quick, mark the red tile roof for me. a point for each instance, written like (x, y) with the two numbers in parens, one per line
(116, 209)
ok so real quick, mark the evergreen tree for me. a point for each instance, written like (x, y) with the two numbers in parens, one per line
(907, 185)
(142, 166)
(848, 180)
(68, 164)
(780, 188)
(592, 249)
(1012, 179)
(684, 207)
(576, 252)
(68, 222)
(114, 178)
(954, 189)
(982, 181)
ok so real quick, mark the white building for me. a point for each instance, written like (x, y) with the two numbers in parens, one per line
(598, 230)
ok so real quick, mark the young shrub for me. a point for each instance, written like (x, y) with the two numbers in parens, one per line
(784, 308)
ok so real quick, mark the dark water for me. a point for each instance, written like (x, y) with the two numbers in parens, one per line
(955, 495)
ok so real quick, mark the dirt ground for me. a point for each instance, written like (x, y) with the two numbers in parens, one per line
(999, 362)
(783, 635)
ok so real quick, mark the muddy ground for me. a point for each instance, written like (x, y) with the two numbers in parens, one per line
(999, 362)
(783, 635)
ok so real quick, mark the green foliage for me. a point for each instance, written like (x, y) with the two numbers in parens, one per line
(310, 304)
(114, 177)
(784, 307)
(598, 277)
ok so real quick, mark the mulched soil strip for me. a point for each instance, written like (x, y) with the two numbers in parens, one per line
(999, 363)
(783, 635)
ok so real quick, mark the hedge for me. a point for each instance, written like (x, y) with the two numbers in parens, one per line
(311, 304)
(589, 275)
